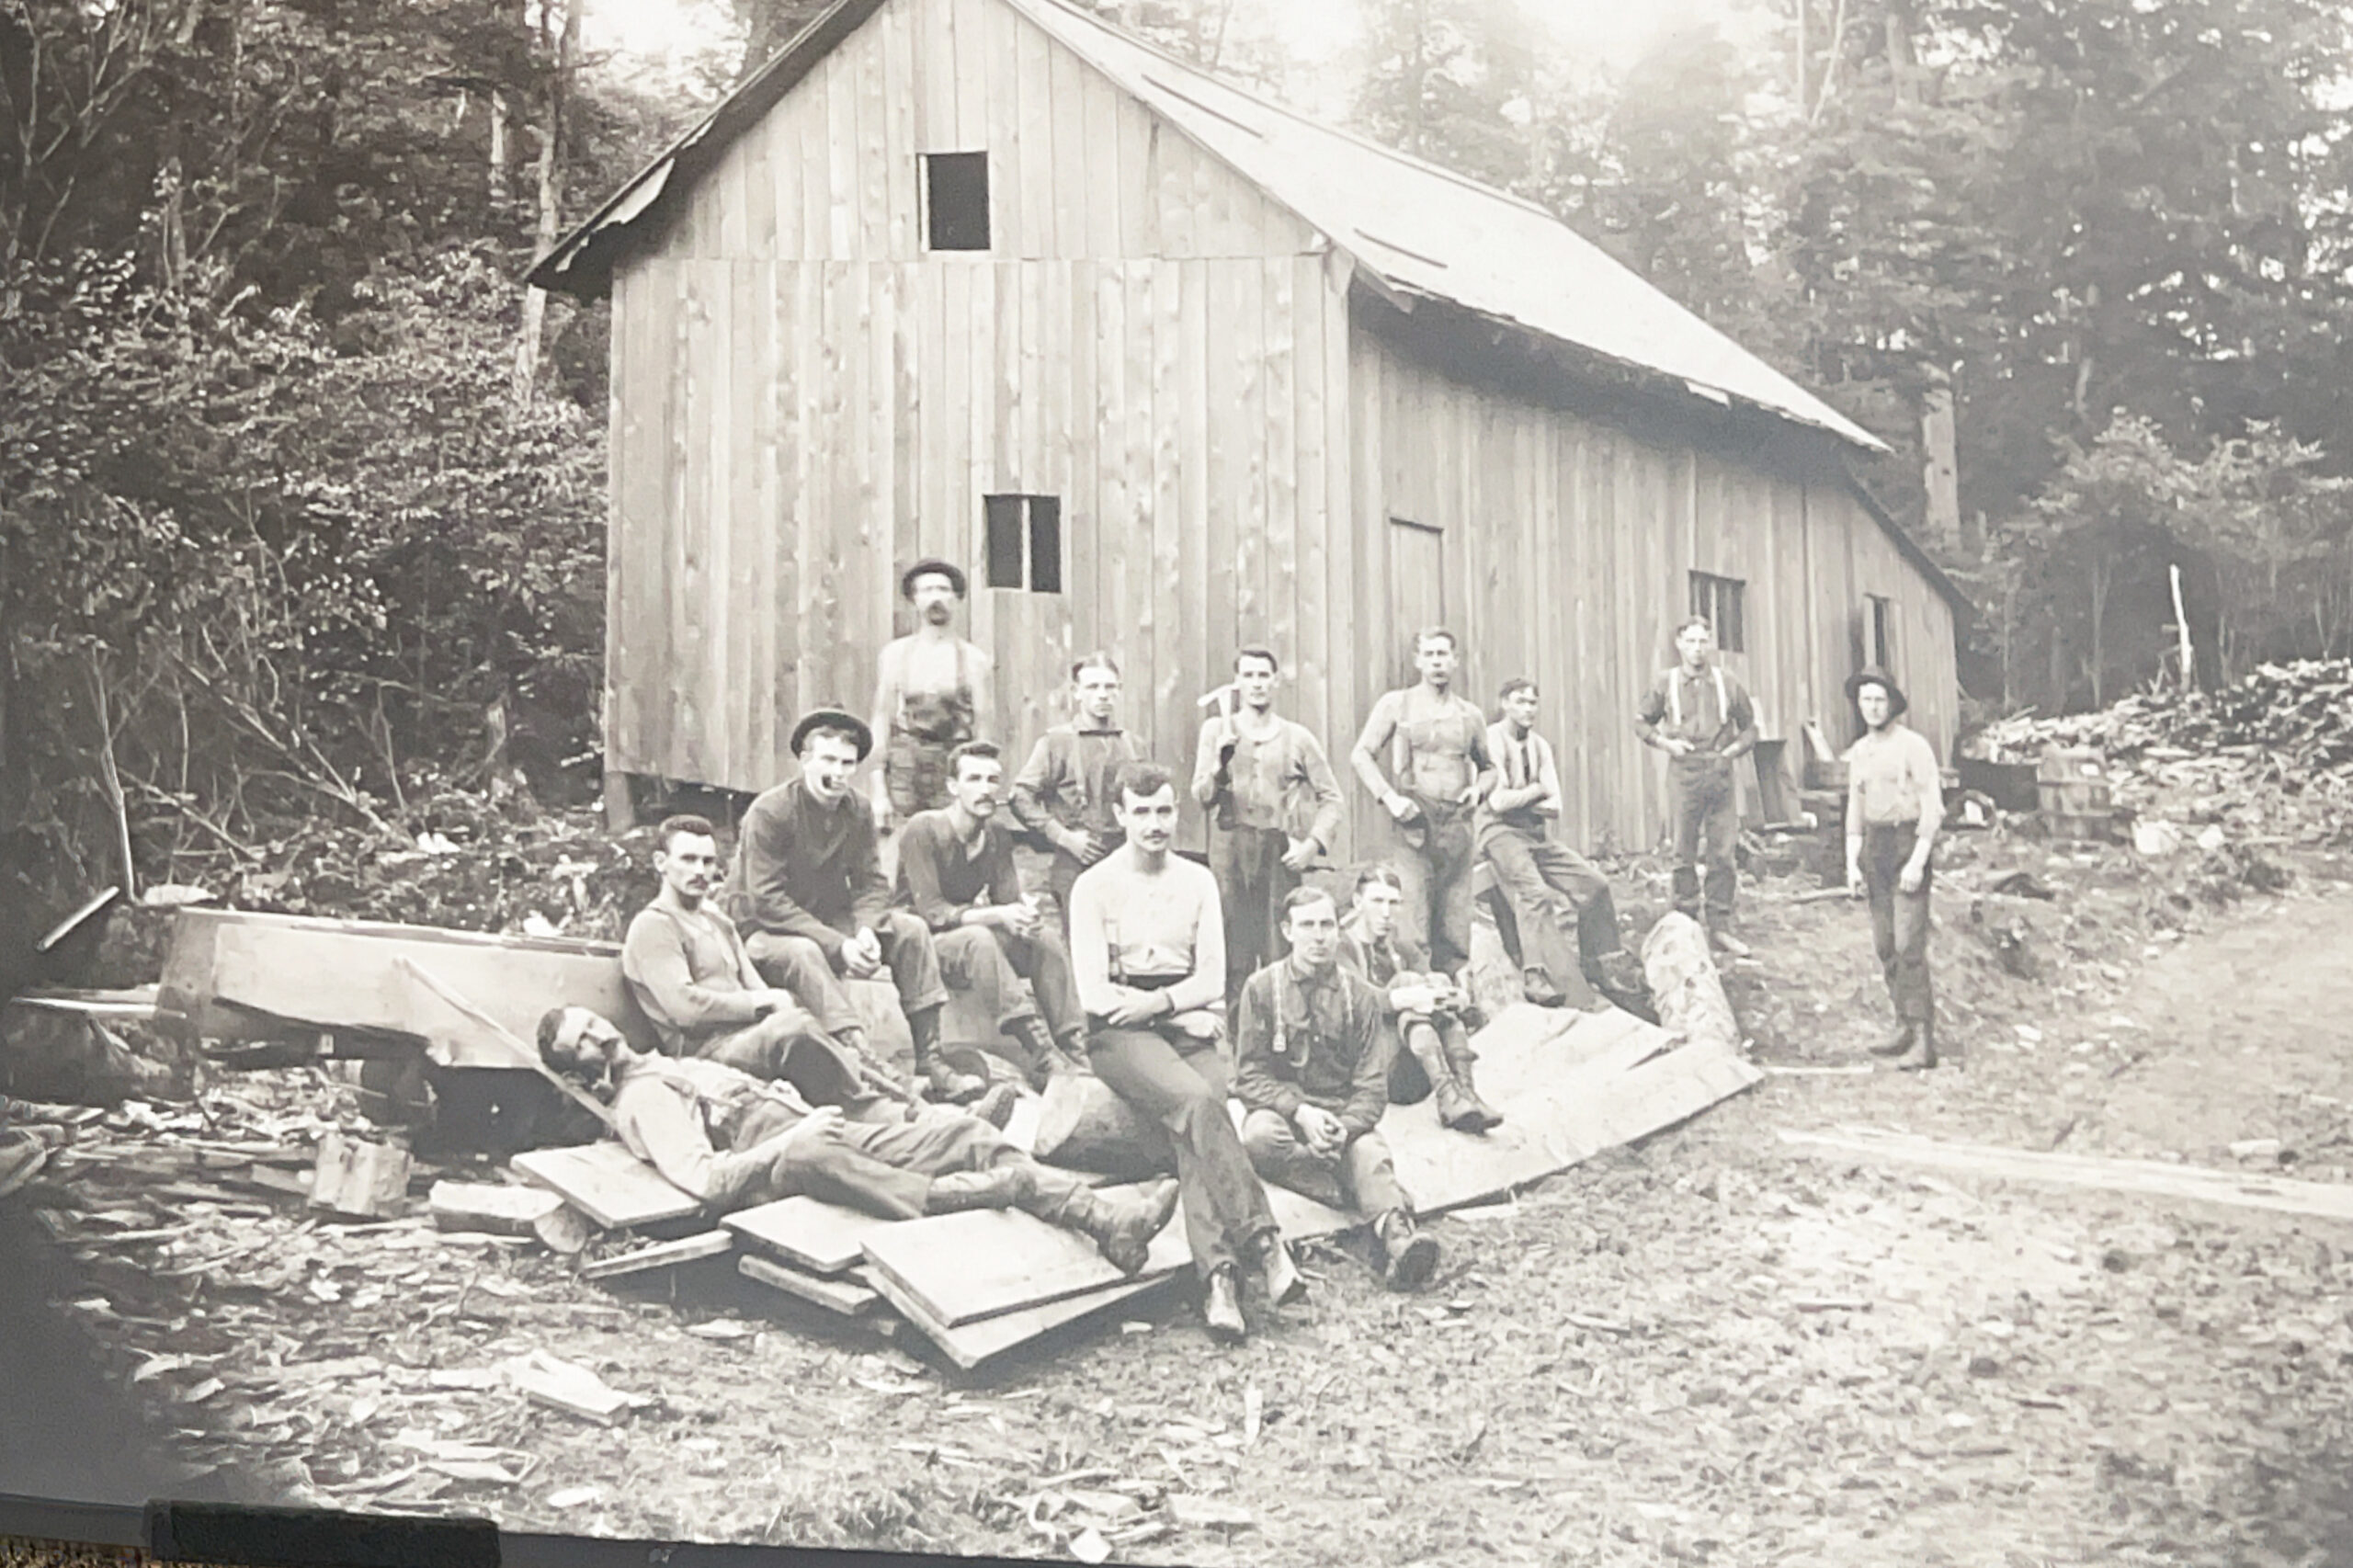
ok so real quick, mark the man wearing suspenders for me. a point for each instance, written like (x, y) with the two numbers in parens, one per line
(1702, 719)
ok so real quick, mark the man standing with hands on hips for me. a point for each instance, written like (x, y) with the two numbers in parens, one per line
(1702, 719)
(1445, 773)
(1894, 805)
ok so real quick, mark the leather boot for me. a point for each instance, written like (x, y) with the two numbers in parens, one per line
(1221, 1307)
(1285, 1284)
(1037, 1046)
(1121, 1228)
(1006, 1186)
(1408, 1258)
(1923, 1055)
(995, 1108)
(1481, 1116)
(1898, 1043)
(1455, 1108)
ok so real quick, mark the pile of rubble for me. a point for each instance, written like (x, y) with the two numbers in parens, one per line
(2269, 758)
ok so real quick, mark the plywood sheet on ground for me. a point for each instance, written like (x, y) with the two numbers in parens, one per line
(1569, 1085)
(607, 1183)
(969, 1345)
(821, 1238)
(851, 1295)
(986, 1262)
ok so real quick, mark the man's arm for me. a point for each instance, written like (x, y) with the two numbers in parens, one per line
(767, 877)
(983, 692)
(1932, 794)
(1547, 779)
(1376, 1043)
(1004, 873)
(657, 1125)
(1508, 798)
(869, 896)
(1854, 814)
(887, 684)
(1743, 719)
(1039, 777)
(1652, 712)
(655, 954)
(1325, 784)
(1208, 757)
(919, 879)
(1090, 949)
(1255, 1082)
(1484, 760)
(1205, 987)
(1365, 756)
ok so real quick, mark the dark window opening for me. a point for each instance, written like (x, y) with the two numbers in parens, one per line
(956, 190)
(1880, 628)
(1023, 532)
(1720, 599)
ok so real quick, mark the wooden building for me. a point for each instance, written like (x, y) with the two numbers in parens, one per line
(1173, 370)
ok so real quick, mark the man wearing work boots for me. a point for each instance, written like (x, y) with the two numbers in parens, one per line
(1313, 1047)
(956, 872)
(1702, 719)
(1148, 944)
(1276, 807)
(1894, 805)
(732, 1141)
(1548, 885)
(687, 968)
(809, 885)
(1431, 1009)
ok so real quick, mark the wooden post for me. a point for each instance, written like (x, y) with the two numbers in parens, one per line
(2181, 628)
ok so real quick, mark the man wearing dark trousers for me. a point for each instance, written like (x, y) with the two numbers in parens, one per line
(1447, 772)
(809, 884)
(1432, 1010)
(1313, 1047)
(1548, 886)
(1148, 943)
(1894, 805)
(1702, 719)
(1063, 792)
(1276, 804)
(957, 873)
(732, 1141)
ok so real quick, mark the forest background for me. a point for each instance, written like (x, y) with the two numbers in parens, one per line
(301, 490)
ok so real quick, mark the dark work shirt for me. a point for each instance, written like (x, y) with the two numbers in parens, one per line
(940, 876)
(1323, 1040)
(1068, 778)
(1711, 710)
(805, 869)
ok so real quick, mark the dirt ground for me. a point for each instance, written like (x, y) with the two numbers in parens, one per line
(1708, 1348)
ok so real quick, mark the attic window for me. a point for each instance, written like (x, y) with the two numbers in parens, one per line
(1024, 542)
(1720, 599)
(956, 192)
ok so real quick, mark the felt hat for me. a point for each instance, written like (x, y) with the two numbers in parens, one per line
(1871, 674)
(833, 719)
(947, 568)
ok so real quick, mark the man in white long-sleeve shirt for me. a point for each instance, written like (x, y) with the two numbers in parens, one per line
(1147, 942)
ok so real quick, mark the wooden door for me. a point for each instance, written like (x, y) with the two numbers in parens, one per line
(1417, 592)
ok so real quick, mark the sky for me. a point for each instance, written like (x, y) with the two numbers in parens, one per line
(662, 35)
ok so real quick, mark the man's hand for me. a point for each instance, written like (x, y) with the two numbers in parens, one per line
(816, 1131)
(1321, 1129)
(1676, 745)
(1855, 880)
(1021, 919)
(1401, 809)
(1136, 1007)
(862, 954)
(769, 999)
(1301, 855)
(1420, 998)
(1913, 875)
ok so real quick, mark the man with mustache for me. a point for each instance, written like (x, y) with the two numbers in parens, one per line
(930, 695)
(957, 873)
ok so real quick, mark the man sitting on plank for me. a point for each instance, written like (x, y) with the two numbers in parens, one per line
(732, 1140)
(1431, 1009)
(686, 964)
(957, 872)
(1313, 1047)
(1148, 942)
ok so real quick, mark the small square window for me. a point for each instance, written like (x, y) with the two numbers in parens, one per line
(1024, 542)
(956, 192)
(1720, 599)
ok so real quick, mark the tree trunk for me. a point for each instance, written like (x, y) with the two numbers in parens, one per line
(2103, 574)
(1939, 445)
(535, 300)
(1083, 1126)
(1685, 986)
(497, 146)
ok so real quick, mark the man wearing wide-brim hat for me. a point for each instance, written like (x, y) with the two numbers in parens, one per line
(931, 690)
(809, 893)
(1894, 804)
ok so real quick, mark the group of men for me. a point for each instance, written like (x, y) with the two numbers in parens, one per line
(1126, 963)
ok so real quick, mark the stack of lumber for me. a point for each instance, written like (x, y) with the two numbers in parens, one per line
(979, 1285)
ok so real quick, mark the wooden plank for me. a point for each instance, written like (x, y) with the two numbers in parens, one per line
(864, 50)
(1277, 491)
(788, 175)
(1034, 116)
(983, 1262)
(359, 1178)
(1310, 600)
(556, 1384)
(2145, 1178)
(903, 137)
(1109, 194)
(1145, 608)
(482, 1206)
(759, 541)
(838, 77)
(1000, 73)
(607, 1183)
(1233, 332)
(661, 1254)
(969, 1345)
(816, 1236)
(845, 1295)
